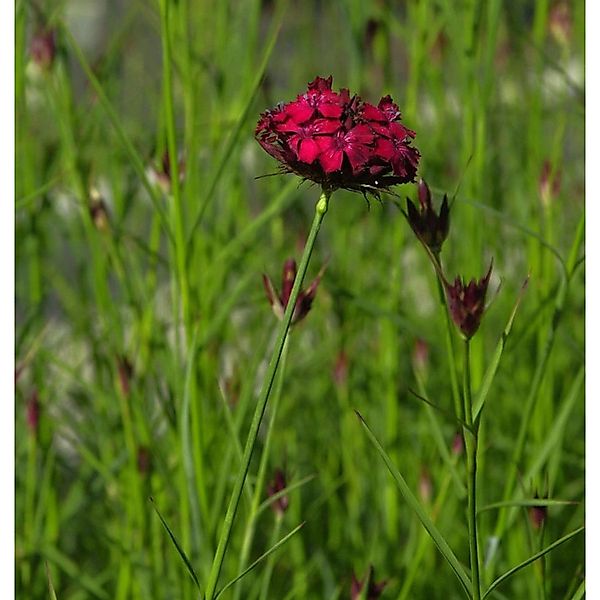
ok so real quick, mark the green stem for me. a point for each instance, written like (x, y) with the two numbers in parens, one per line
(471, 450)
(449, 347)
(177, 225)
(320, 210)
(262, 471)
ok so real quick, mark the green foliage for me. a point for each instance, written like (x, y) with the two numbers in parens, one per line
(143, 327)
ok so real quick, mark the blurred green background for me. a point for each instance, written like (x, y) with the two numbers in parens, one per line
(117, 400)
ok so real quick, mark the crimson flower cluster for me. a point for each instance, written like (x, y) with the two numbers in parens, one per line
(339, 141)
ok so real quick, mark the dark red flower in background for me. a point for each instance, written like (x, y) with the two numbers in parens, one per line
(339, 141)
(466, 302)
(280, 301)
(374, 590)
(277, 485)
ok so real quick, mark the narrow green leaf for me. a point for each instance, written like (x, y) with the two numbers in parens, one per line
(580, 592)
(261, 558)
(283, 492)
(179, 549)
(222, 161)
(187, 451)
(412, 501)
(446, 413)
(51, 589)
(531, 559)
(527, 502)
(490, 373)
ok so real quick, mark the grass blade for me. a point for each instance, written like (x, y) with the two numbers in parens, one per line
(51, 589)
(531, 559)
(527, 502)
(179, 549)
(580, 592)
(412, 501)
(488, 378)
(262, 557)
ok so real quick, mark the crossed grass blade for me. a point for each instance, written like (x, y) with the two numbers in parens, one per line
(412, 501)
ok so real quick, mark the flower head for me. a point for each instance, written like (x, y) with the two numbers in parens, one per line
(374, 590)
(277, 485)
(339, 141)
(466, 302)
(42, 48)
(280, 301)
(430, 227)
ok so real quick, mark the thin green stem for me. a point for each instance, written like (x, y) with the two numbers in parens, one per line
(448, 341)
(262, 471)
(320, 210)
(471, 450)
(177, 209)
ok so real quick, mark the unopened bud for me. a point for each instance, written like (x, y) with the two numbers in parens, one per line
(280, 505)
(42, 48)
(33, 412)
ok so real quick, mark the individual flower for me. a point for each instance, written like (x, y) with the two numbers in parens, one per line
(339, 141)
(280, 301)
(549, 183)
(278, 484)
(430, 227)
(466, 302)
(374, 590)
(42, 48)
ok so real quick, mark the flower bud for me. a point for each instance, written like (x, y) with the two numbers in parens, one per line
(279, 302)
(466, 303)
(420, 357)
(144, 460)
(98, 211)
(538, 515)
(549, 184)
(374, 590)
(340, 369)
(125, 372)
(278, 484)
(560, 23)
(430, 227)
(42, 48)
(33, 411)
(458, 444)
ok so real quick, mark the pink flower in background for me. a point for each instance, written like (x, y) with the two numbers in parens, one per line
(339, 141)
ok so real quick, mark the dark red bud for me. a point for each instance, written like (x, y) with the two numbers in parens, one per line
(43, 48)
(278, 484)
(33, 412)
(125, 371)
(374, 590)
(144, 460)
(340, 369)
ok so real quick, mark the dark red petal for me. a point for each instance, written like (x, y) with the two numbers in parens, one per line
(371, 113)
(360, 134)
(331, 159)
(357, 155)
(330, 110)
(384, 148)
(326, 126)
(319, 84)
(299, 111)
(308, 150)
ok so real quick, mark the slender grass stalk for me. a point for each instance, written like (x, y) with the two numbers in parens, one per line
(320, 211)
(266, 582)
(177, 209)
(471, 451)
(262, 470)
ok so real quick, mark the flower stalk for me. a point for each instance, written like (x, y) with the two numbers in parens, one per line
(471, 437)
(320, 211)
